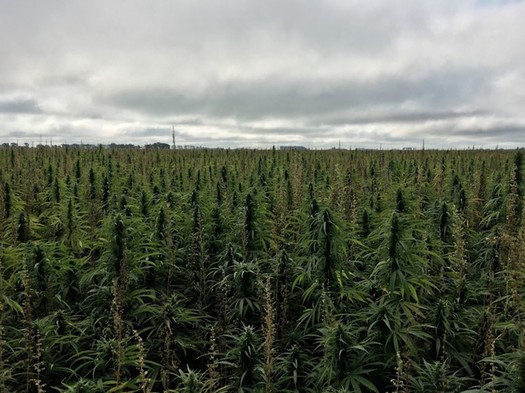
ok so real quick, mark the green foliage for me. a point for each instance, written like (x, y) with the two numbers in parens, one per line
(127, 270)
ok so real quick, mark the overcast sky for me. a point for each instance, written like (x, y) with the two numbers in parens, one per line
(264, 72)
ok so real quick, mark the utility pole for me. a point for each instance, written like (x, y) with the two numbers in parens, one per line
(174, 146)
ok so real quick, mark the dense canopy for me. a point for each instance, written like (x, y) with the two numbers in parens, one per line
(261, 270)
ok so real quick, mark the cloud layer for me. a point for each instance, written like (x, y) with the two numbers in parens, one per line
(262, 73)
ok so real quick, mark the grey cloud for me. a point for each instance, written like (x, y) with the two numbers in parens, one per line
(19, 106)
(150, 132)
(269, 98)
(301, 131)
(18, 134)
(495, 132)
(397, 117)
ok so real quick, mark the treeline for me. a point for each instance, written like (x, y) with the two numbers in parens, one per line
(261, 271)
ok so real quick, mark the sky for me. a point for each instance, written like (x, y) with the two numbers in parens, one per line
(253, 73)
